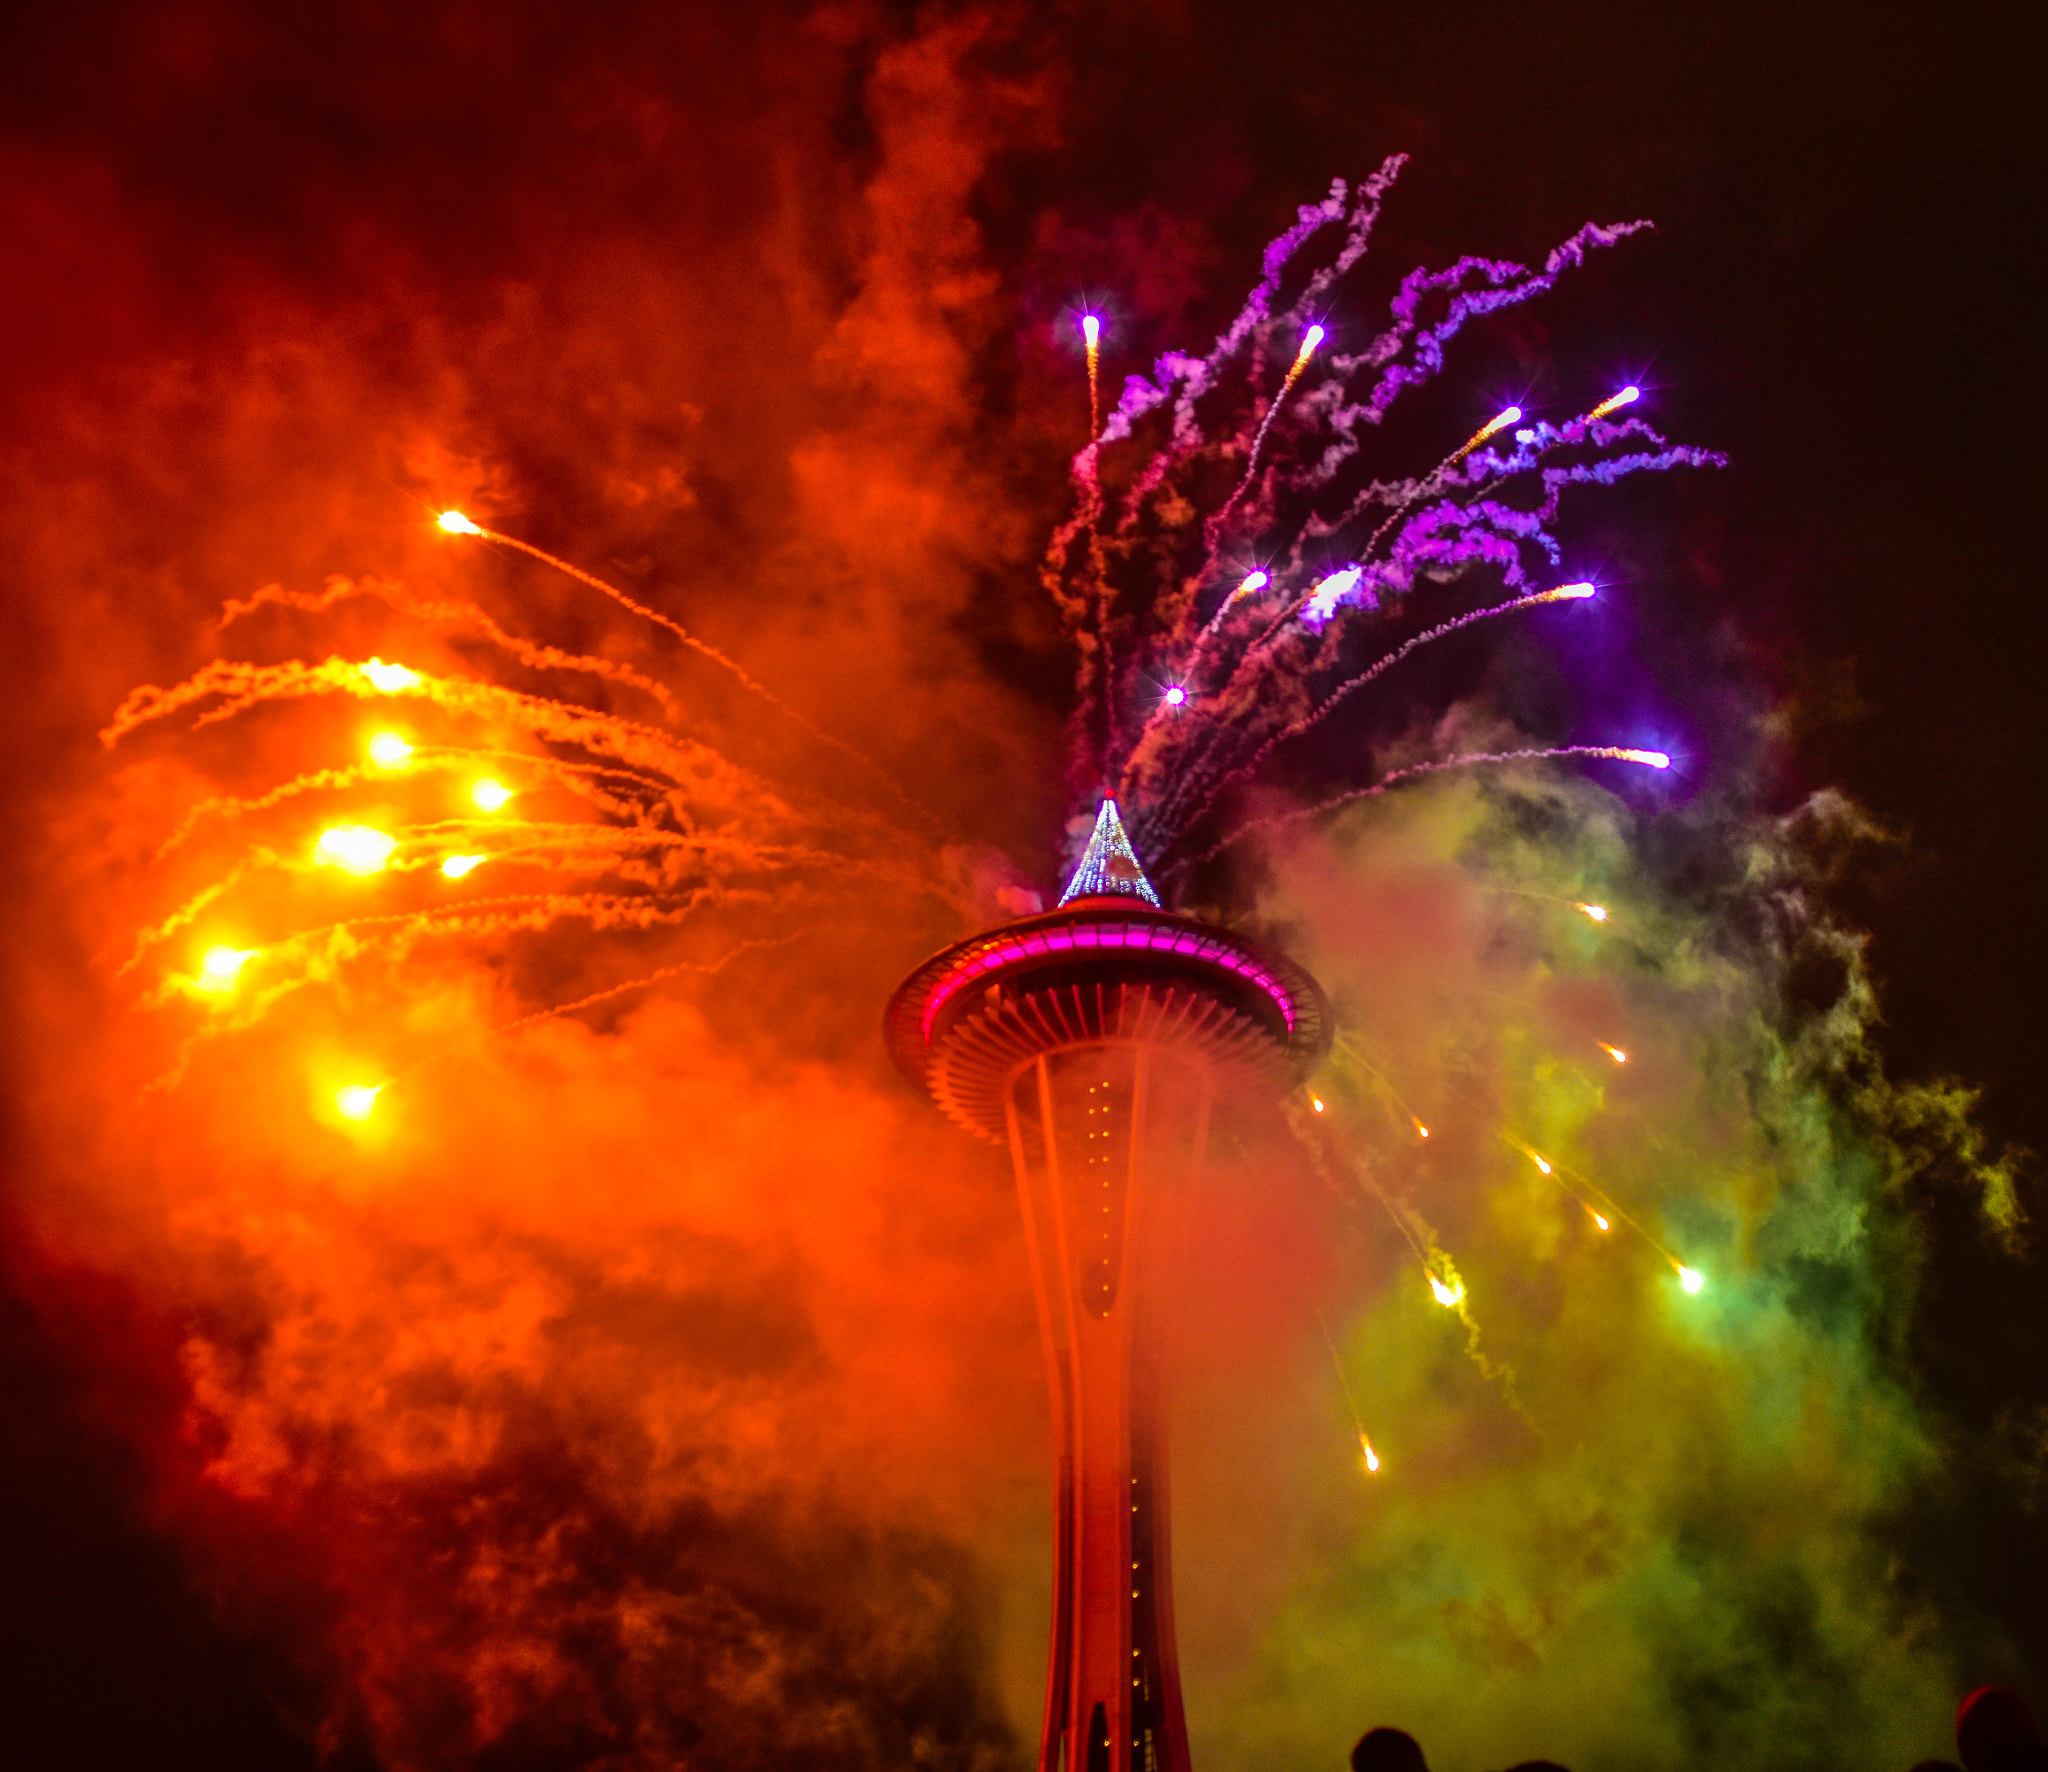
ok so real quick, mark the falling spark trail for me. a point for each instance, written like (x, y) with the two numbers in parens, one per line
(1433, 480)
(702, 647)
(1309, 340)
(1370, 1457)
(1613, 403)
(1329, 704)
(1558, 1170)
(1091, 335)
(1350, 1049)
(1474, 759)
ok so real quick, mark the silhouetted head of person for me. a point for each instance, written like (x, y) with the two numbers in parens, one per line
(1995, 1732)
(1387, 1750)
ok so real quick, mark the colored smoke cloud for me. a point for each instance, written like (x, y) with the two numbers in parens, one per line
(659, 1388)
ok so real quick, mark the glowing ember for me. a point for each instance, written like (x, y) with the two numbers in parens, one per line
(489, 795)
(354, 848)
(389, 750)
(1613, 1052)
(1175, 695)
(1599, 1219)
(1691, 1279)
(221, 967)
(1323, 600)
(1091, 330)
(1598, 912)
(1309, 340)
(390, 678)
(1447, 1295)
(1614, 402)
(1422, 1131)
(457, 524)
(1316, 1102)
(1655, 759)
(1372, 1458)
(358, 1100)
(458, 865)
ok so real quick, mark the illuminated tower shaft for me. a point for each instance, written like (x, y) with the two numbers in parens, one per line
(1094, 1041)
(1105, 1138)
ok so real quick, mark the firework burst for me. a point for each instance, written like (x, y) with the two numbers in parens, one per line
(1153, 590)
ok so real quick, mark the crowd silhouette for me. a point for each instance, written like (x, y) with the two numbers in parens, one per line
(1995, 1732)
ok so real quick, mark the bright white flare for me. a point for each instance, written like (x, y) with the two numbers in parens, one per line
(354, 848)
(220, 967)
(1446, 1294)
(458, 865)
(1091, 330)
(390, 750)
(489, 795)
(1691, 1279)
(390, 678)
(357, 1100)
(457, 524)
(1176, 696)
(1598, 912)
(1323, 600)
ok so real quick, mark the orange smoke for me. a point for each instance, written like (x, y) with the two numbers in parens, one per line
(577, 1386)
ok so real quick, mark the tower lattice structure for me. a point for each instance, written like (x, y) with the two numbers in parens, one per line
(1094, 1041)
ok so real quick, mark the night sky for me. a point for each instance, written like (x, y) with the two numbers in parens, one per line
(1841, 294)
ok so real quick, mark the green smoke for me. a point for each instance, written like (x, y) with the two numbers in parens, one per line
(1617, 1524)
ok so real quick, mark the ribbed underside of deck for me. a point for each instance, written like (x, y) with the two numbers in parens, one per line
(977, 1058)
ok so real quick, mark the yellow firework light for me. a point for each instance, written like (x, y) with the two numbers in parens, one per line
(1446, 1293)
(1421, 1131)
(1598, 912)
(220, 967)
(457, 524)
(489, 795)
(390, 750)
(354, 848)
(1655, 759)
(1598, 1218)
(357, 1101)
(1613, 1052)
(458, 865)
(1316, 1102)
(1690, 1278)
(1309, 340)
(1371, 1458)
(389, 678)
